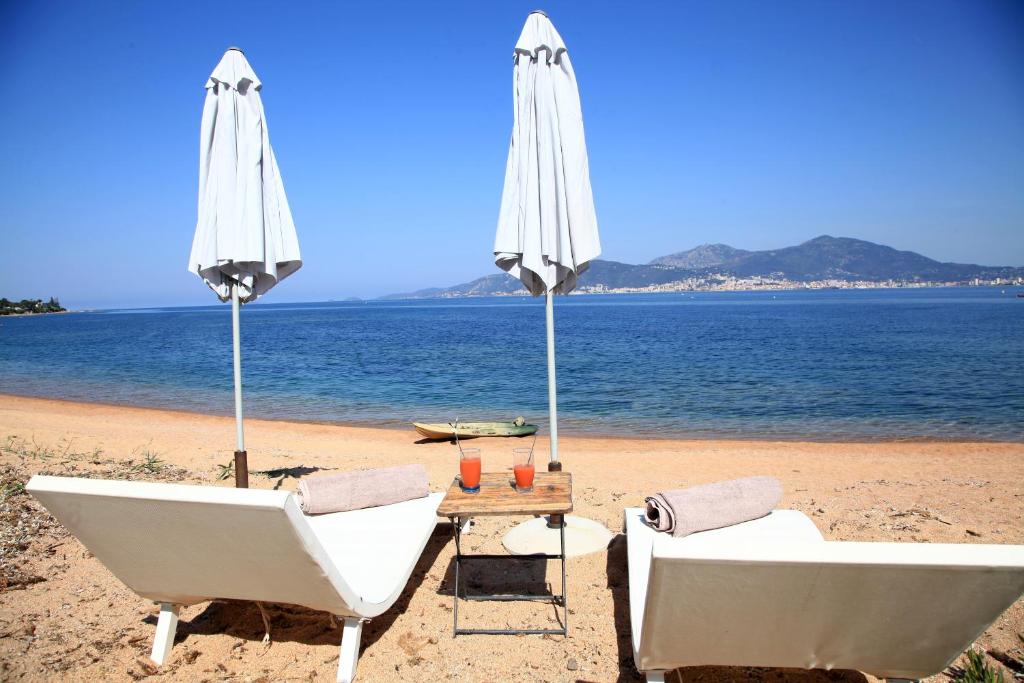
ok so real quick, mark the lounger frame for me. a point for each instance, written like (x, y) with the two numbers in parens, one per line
(774, 593)
(179, 545)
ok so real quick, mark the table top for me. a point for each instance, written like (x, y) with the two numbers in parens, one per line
(551, 495)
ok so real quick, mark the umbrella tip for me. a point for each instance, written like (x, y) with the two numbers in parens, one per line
(540, 11)
(238, 49)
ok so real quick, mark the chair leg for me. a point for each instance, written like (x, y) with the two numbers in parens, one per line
(166, 625)
(352, 631)
(655, 677)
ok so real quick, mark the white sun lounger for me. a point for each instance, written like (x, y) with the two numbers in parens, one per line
(773, 593)
(179, 545)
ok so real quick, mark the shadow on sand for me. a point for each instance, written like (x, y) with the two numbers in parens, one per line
(291, 623)
(520, 576)
(618, 583)
(282, 473)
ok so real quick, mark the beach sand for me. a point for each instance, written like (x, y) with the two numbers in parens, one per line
(64, 616)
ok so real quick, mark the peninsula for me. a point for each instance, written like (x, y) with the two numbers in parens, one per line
(30, 306)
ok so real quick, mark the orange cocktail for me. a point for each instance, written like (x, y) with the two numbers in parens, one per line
(469, 468)
(522, 468)
(524, 477)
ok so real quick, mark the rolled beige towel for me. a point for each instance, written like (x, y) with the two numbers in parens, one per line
(682, 512)
(362, 489)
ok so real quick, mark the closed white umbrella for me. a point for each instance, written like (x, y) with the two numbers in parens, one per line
(245, 241)
(547, 227)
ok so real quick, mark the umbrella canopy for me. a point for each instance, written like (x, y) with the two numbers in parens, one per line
(547, 227)
(244, 232)
(245, 240)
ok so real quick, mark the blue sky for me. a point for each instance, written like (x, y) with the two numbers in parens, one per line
(755, 124)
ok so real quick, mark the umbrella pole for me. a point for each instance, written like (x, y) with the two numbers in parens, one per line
(554, 465)
(241, 464)
(556, 534)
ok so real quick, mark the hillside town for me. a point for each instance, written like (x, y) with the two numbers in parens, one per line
(729, 283)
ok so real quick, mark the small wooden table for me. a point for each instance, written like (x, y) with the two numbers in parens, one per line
(551, 495)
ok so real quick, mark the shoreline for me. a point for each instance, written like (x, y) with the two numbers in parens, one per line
(895, 491)
(389, 298)
(33, 315)
(792, 286)
(398, 426)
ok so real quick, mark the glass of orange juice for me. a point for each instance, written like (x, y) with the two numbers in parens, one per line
(469, 468)
(522, 467)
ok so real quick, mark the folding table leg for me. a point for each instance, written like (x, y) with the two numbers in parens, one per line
(457, 524)
(565, 599)
(166, 625)
(351, 633)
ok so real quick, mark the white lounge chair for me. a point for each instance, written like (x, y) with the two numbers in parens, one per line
(180, 545)
(773, 593)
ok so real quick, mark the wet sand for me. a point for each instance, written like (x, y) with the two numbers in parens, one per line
(67, 618)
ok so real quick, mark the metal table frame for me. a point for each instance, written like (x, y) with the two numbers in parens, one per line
(557, 600)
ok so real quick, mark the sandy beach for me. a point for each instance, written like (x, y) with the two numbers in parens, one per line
(64, 616)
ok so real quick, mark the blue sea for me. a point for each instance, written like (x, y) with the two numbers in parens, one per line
(942, 364)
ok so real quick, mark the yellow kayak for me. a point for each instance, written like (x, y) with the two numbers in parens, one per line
(471, 430)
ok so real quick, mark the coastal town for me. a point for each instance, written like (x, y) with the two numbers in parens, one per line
(729, 283)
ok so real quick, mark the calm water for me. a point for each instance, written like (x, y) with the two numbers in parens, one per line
(945, 364)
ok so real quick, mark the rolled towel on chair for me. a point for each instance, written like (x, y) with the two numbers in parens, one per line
(362, 489)
(682, 512)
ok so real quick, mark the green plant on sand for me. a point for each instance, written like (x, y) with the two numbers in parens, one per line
(977, 670)
(150, 464)
(63, 460)
(225, 471)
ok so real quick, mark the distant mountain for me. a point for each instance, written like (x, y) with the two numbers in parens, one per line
(704, 256)
(488, 285)
(844, 258)
(615, 275)
(610, 274)
(822, 258)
